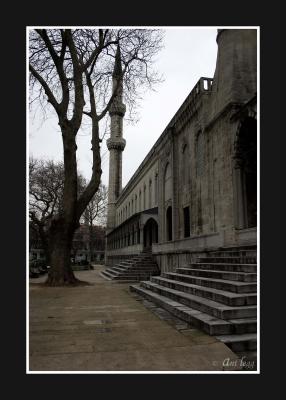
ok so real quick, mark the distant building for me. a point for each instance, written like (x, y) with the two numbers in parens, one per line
(82, 249)
(36, 251)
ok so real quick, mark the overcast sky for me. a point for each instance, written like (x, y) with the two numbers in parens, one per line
(188, 54)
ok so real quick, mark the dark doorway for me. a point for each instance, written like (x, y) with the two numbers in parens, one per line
(169, 224)
(138, 233)
(246, 173)
(150, 233)
(187, 230)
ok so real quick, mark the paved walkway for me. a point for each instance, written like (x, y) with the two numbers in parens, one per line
(104, 327)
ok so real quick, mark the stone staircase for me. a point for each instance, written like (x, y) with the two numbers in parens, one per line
(217, 293)
(141, 267)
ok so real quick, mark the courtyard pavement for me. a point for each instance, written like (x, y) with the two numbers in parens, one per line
(104, 327)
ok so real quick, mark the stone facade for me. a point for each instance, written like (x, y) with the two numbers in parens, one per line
(196, 189)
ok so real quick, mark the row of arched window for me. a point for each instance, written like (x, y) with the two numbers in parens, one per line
(124, 238)
(145, 199)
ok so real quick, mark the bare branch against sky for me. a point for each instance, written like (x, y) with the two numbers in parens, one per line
(188, 54)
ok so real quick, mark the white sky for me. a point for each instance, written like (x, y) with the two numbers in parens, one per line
(188, 54)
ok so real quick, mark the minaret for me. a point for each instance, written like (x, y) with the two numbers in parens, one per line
(115, 143)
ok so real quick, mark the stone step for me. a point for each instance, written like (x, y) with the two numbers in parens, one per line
(125, 264)
(220, 284)
(244, 325)
(224, 267)
(129, 277)
(131, 262)
(139, 265)
(112, 271)
(134, 268)
(220, 296)
(139, 273)
(120, 268)
(142, 269)
(237, 248)
(151, 262)
(227, 260)
(208, 323)
(238, 253)
(131, 271)
(242, 342)
(208, 306)
(133, 277)
(225, 275)
(107, 275)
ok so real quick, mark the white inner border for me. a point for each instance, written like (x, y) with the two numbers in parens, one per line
(258, 203)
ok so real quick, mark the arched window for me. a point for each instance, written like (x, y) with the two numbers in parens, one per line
(185, 174)
(156, 189)
(187, 222)
(168, 183)
(133, 235)
(138, 233)
(150, 193)
(169, 224)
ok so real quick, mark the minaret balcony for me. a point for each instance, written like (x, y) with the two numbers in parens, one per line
(117, 109)
(116, 143)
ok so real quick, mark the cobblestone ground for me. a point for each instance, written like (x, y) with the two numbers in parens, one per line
(104, 327)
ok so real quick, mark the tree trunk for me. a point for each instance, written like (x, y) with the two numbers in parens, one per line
(90, 243)
(61, 273)
(63, 226)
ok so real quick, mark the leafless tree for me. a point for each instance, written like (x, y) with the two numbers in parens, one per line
(71, 71)
(46, 184)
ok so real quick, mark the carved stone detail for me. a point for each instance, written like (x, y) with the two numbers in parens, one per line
(118, 144)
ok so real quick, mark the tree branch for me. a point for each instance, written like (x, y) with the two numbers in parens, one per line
(51, 97)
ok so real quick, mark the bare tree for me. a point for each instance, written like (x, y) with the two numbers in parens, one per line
(46, 184)
(71, 71)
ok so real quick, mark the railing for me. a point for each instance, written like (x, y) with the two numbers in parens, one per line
(202, 86)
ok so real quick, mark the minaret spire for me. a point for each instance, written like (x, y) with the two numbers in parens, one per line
(116, 143)
(117, 71)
